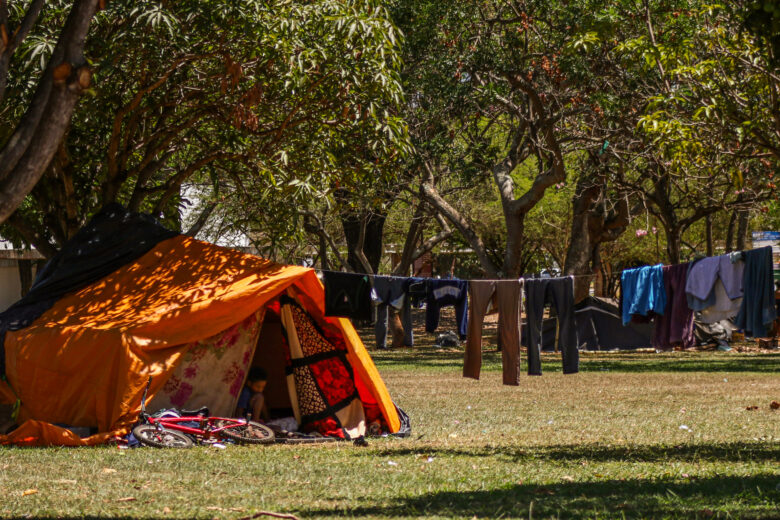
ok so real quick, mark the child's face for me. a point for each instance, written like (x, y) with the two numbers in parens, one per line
(257, 386)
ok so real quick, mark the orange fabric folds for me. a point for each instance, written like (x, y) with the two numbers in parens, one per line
(86, 360)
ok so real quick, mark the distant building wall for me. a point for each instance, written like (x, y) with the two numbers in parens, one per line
(10, 285)
(10, 282)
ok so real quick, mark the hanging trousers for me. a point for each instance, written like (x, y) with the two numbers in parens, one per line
(560, 293)
(509, 294)
(380, 327)
(675, 325)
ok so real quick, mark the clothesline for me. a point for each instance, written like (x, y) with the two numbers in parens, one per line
(611, 274)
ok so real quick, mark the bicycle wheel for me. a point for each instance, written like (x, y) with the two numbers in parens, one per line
(150, 436)
(251, 433)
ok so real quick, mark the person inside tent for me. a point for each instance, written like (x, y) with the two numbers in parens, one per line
(252, 399)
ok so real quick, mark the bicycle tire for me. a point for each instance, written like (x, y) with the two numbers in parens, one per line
(149, 435)
(252, 433)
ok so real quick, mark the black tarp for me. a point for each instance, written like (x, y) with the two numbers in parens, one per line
(599, 327)
(111, 239)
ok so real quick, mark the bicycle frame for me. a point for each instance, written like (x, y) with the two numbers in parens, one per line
(206, 427)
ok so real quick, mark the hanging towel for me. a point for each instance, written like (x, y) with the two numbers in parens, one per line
(758, 306)
(442, 293)
(643, 291)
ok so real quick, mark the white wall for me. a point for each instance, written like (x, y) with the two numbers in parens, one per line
(10, 286)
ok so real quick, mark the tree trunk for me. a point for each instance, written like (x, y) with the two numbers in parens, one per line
(579, 256)
(25, 275)
(742, 229)
(673, 243)
(410, 244)
(371, 247)
(730, 232)
(323, 253)
(29, 150)
(515, 226)
(708, 232)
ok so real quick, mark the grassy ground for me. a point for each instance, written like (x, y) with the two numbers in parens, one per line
(632, 435)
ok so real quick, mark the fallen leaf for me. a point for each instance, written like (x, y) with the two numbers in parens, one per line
(166, 510)
(774, 405)
(28, 492)
(126, 499)
(567, 478)
(214, 508)
(109, 470)
(65, 481)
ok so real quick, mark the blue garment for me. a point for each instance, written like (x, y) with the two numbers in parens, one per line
(643, 291)
(703, 275)
(243, 398)
(391, 291)
(758, 306)
(441, 293)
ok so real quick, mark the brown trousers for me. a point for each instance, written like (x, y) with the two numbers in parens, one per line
(509, 294)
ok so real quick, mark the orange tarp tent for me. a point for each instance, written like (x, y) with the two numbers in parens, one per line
(86, 360)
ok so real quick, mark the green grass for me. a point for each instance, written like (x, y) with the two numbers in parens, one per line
(604, 443)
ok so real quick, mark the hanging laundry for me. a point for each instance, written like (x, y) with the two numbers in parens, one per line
(509, 296)
(391, 291)
(758, 306)
(347, 295)
(443, 293)
(558, 292)
(642, 291)
(723, 307)
(704, 275)
(675, 325)
(417, 290)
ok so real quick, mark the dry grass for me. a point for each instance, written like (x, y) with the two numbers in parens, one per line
(604, 443)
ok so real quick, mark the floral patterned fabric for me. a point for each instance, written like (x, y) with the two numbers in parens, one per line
(212, 371)
(320, 379)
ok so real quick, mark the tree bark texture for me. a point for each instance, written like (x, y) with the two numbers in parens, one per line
(593, 224)
(30, 149)
(363, 232)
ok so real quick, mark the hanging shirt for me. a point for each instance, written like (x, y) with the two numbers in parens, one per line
(758, 306)
(643, 291)
(347, 295)
(704, 274)
(442, 293)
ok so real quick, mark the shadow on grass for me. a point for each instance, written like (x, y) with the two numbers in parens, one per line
(742, 497)
(722, 452)
(615, 362)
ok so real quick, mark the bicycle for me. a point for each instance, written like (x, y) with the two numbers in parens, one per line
(177, 432)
